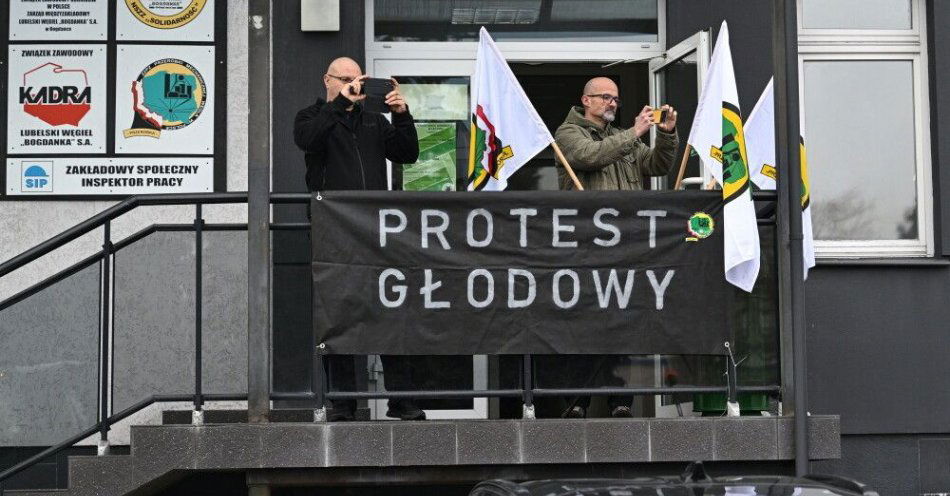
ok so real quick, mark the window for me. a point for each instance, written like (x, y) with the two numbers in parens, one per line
(548, 30)
(865, 115)
(526, 20)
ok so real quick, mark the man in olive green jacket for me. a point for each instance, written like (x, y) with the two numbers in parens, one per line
(606, 157)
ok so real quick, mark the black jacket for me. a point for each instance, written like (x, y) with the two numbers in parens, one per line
(348, 150)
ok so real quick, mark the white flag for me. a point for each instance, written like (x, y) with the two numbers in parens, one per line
(506, 129)
(718, 139)
(760, 143)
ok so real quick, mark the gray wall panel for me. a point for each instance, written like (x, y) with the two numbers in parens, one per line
(939, 53)
(750, 34)
(155, 323)
(154, 318)
(877, 348)
(887, 463)
(49, 362)
(300, 60)
(224, 314)
(934, 465)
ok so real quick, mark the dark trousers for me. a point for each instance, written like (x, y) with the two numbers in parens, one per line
(574, 371)
(341, 375)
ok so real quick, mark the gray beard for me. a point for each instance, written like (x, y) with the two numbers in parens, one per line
(609, 116)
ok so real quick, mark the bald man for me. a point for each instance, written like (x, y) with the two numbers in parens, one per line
(346, 148)
(608, 157)
(605, 157)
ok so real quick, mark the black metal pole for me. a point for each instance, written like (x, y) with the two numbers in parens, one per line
(105, 329)
(789, 218)
(527, 382)
(319, 381)
(258, 212)
(199, 248)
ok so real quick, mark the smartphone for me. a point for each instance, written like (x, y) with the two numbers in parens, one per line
(376, 90)
(659, 116)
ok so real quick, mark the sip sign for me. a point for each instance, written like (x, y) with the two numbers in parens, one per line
(37, 177)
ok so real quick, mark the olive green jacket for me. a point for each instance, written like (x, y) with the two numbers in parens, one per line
(610, 158)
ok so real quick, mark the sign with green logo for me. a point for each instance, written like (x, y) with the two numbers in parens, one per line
(435, 169)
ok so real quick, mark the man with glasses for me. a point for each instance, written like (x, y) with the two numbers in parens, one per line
(346, 148)
(606, 157)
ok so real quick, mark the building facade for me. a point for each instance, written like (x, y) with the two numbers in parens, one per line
(873, 102)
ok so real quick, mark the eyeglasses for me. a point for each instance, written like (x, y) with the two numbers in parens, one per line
(608, 98)
(344, 79)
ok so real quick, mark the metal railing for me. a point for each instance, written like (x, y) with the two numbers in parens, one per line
(319, 393)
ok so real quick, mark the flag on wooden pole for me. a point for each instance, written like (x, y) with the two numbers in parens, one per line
(507, 131)
(718, 138)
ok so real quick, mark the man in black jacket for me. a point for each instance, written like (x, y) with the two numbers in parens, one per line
(346, 149)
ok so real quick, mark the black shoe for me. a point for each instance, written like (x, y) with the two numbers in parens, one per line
(574, 412)
(621, 412)
(405, 410)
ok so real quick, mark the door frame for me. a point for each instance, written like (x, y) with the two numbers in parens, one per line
(698, 43)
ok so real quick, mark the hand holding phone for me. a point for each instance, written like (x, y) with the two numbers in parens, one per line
(353, 91)
(375, 91)
(665, 118)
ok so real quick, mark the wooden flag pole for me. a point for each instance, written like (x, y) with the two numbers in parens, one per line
(567, 166)
(679, 176)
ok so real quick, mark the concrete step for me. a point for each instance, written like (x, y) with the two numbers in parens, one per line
(100, 475)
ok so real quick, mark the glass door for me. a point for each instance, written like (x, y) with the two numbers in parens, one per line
(676, 78)
(437, 92)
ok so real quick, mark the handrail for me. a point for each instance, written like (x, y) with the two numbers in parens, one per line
(118, 417)
(111, 213)
(517, 393)
(119, 245)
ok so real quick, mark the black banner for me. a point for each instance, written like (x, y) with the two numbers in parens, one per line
(519, 272)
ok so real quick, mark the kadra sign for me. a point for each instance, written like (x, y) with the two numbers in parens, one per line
(56, 95)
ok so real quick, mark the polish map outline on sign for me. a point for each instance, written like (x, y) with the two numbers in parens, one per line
(53, 104)
(168, 94)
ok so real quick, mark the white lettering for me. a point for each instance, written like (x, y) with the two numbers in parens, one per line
(523, 213)
(385, 228)
(470, 229)
(607, 227)
(652, 214)
(438, 230)
(557, 228)
(660, 289)
(490, 293)
(399, 289)
(513, 301)
(428, 288)
(613, 286)
(556, 288)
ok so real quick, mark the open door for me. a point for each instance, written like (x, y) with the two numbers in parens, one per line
(676, 78)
